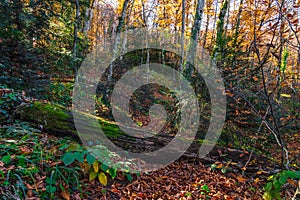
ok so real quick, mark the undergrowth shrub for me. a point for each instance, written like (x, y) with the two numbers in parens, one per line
(275, 183)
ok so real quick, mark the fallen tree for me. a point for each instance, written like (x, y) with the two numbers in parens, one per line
(58, 121)
(52, 118)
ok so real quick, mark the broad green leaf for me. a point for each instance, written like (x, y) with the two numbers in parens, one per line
(293, 174)
(268, 186)
(112, 172)
(6, 159)
(68, 158)
(102, 178)
(90, 159)
(283, 178)
(104, 167)
(277, 185)
(92, 175)
(129, 177)
(79, 156)
(297, 174)
(51, 189)
(64, 146)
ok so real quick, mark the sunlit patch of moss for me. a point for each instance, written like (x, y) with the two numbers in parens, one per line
(110, 128)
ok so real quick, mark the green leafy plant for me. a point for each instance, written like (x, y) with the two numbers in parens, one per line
(61, 93)
(25, 156)
(90, 164)
(8, 103)
(204, 190)
(275, 183)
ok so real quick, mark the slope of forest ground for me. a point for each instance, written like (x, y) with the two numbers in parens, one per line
(34, 169)
(34, 166)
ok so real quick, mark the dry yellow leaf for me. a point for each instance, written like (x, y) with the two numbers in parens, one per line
(96, 166)
(102, 178)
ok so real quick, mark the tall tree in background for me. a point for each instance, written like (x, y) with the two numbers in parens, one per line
(236, 35)
(122, 17)
(103, 24)
(88, 17)
(76, 25)
(194, 37)
(182, 34)
(219, 48)
(117, 42)
(209, 14)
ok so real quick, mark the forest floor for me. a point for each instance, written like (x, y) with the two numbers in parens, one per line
(35, 159)
(239, 167)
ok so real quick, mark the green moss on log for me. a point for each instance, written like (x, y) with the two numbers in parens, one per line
(58, 120)
(54, 118)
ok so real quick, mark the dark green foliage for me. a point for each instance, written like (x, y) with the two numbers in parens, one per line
(61, 93)
(76, 153)
(8, 103)
(36, 40)
(275, 183)
(23, 150)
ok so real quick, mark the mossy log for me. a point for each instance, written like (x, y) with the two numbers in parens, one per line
(58, 120)
(52, 118)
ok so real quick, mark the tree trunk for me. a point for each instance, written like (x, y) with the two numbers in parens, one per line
(76, 24)
(182, 35)
(227, 18)
(236, 34)
(218, 51)
(89, 16)
(116, 43)
(54, 119)
(214, 25)
(57, 120)
(194, 37)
